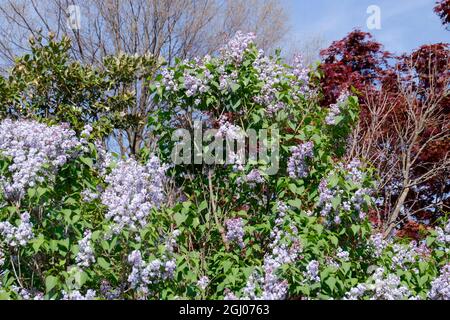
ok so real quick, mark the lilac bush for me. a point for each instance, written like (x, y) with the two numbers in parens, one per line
(36, 152)
(133, 190)
(81, 223)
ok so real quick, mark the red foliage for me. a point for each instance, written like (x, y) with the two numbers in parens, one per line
(356, 61)
(442, 9)
(412, 230)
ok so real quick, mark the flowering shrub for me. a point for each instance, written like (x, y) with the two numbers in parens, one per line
(82, 224)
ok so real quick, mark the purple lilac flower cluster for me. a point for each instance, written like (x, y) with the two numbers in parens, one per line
(17, 236)
(77, 295)
(335, 109)
(235, 231)
(235, 49)
(268, 285)
(203, 282)
(404, 255)
(2, 257)
(133, 190)
(104, 158)
(380, 287)
(440, 287)
(300, 73)
(108, 292)
(443, 237)
(341, 255)
(145, 274)
(378, 244)
(193, 84)
(356, 201)
(85, 134)
(36, 151)
(88, 195)
(312, 272)
(227, 130)
(254, 177)
(168, 79)
(26, 294)
(269, 73)
(85, 256)
(296, 166)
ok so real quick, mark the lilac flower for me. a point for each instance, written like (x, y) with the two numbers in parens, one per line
(335, 109)
(203, 282)
(228, 130)
(381, 287)
(354, 171)
(357, 292)
(325, 197)
(77, 295)
(36, 151)
(26, 294)
(343, 255)
(193, 84)
(88, 195)
(145, 274)
(133, 190)
(403, 255)
(312, 271)
(104, 158)
(297, 167)
(332, 114)
(378, 243)
(440, 287)
(254, 176)
(85, 256)
(266, 284)
(2, 257)
(17, 236)
(235, 49)
(108, 292)
(168, 79)
(85, 134)
(235, 231)
(443, 237)
(301, 72)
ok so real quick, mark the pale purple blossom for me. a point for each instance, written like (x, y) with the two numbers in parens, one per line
(235, 49)
(235, 231)
(297, 166)
(133, 190)
(203, 282)
(312, 271)
(17, 236)
(36, 151)
(335, 109)
(440, 287)
(77, 295)
(85, 256)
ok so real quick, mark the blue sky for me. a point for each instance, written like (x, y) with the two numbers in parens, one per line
(405, 24)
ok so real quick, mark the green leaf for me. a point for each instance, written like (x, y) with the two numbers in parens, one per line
(50, 283)
(297, 203)
(355, 229)
(180, 218)
(331, 282)
(226, 265)
(345, 266)
(202, 206)
(103, 263)
(234, 87)
(334, 240)
(87, 161)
